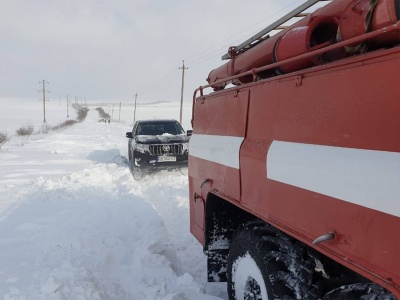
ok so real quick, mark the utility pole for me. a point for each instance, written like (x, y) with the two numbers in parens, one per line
(119, 116)
(67, 107)
(134, 113)
(44, 99)
(183, 81)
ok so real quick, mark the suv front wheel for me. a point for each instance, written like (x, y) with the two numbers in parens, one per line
(129, 155)
(137, 172)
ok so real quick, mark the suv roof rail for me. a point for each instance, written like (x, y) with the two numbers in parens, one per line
(299, 12)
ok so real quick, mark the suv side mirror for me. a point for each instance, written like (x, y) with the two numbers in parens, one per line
(189, 132)
(129, 135)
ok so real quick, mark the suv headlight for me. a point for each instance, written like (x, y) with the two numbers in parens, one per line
(141, 147)
(185, 146)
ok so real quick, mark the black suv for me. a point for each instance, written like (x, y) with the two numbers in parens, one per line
(157, 144)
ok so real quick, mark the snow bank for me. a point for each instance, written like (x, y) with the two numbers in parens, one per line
(75, 225)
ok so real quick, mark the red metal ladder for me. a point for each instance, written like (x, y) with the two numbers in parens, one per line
(278, 25)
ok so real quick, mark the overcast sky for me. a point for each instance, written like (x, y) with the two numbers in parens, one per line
(109, 50)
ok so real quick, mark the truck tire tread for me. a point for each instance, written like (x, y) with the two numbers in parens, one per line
(289, 269)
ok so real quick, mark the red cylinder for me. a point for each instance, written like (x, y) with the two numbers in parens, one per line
(263, 53)
(299, 40)
(359, 18)
(387, 12)
(255, 57)
(295, 42)
(352, 20)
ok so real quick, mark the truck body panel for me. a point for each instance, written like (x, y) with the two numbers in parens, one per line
(310, 152)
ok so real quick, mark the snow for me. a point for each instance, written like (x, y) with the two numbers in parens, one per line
(244, 270)
(75, 225)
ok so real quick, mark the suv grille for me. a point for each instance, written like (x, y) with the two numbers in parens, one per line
(165, 149)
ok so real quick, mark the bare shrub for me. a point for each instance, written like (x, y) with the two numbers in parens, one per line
(64, 124)
(80, 111)
(103, 114)
(45, 128)
(69, 122)
(3, 138)
(82, 114)
(25, 130)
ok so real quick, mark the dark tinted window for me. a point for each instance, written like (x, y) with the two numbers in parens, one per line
(159, 128)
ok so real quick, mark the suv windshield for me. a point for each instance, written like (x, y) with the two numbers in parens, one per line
(159, 128)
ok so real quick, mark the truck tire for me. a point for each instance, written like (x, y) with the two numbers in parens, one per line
(264, 263)
(129, 155)
(360, 291)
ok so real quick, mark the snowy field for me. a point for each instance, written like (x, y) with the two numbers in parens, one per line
(16, 112)
(75, 225)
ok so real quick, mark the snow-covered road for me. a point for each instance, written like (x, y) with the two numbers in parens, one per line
(75, 225)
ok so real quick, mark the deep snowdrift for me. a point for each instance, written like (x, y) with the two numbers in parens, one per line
(75, 225)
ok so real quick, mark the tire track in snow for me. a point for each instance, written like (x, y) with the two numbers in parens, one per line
(97, 234)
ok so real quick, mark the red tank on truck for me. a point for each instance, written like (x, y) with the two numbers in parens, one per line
(294, 162)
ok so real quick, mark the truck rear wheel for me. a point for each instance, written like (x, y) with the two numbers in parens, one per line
(264, 263)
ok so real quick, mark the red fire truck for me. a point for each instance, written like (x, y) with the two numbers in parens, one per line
(294, 166)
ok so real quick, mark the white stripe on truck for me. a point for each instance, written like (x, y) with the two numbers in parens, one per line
(222, 150)
(364, 177)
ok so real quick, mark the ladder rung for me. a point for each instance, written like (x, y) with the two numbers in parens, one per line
(277, 25)
(300, 15)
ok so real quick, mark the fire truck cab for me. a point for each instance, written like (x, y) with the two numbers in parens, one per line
(294, 161)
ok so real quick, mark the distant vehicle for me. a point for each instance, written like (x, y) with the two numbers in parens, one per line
(157, 144)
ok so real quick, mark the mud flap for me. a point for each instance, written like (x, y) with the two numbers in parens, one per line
(216, 265)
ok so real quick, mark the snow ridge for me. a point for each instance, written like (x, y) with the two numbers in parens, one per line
(75, 225)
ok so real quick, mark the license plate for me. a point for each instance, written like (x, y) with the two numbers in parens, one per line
(166, 158)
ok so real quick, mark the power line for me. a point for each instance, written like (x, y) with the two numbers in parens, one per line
(13, 82)
(158, 81)
(224, 41)
(10, 69)
(209, 53)
(156, 87)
